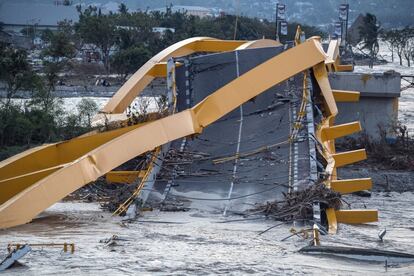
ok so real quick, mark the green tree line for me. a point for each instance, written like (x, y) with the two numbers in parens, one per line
(127, 40)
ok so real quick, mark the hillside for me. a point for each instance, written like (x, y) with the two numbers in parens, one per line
(397, 13)
(313, 12)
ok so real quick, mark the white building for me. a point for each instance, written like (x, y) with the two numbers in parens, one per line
(162, 30)
(190, 10)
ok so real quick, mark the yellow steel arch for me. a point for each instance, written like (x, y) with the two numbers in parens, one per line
(138, 81)
(261, 43)
(52, 172)
(156, 67)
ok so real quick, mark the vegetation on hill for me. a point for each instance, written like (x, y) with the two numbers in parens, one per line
(392, 14)
(127, 39)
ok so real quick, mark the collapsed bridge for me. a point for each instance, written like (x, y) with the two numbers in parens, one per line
(241, 109)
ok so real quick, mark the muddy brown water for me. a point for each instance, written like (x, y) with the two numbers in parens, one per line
(194, 243)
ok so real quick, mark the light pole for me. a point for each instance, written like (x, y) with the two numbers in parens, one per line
(280, 16)
(343, 17)
(277, 22)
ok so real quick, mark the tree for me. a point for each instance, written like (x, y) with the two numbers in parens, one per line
(408, 34)
(29, 31)
(403, 43)
(407, 51)
(412, 50)
(400, 44)
(98, 29)
(35, 122)
(14, 127)
(55, 60)
(87, 108)
(128, 38)
(128, 61)
(68, 28)
(42, 92)
(122, 8)
(391, 39)
(369, 33)
(60, 47)
(15, 71)
(46, 35)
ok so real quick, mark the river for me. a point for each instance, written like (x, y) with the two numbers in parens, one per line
(194, 242)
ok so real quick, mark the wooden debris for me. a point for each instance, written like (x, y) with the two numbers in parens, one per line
(298, 204)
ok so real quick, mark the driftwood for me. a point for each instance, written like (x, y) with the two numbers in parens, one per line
(298, 204)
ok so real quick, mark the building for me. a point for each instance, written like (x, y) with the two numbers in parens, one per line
(17, 16)
(190, 10)
(162, 30)
(17, 40)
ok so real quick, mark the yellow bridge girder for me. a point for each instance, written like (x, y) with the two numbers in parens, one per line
(355, 216)
(334, 132)
(349, 157)
(347, 186)
(124, 177)
(346, 96)
(326, 134)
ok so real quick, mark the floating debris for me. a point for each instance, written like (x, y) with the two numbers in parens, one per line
(382, 234)
(112, 241)
(14, 255)
(65, 245)
(363, 254)
(303, 233)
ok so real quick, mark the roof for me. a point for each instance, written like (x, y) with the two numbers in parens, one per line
(192, 8)
(34, 13)
(5, 34)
